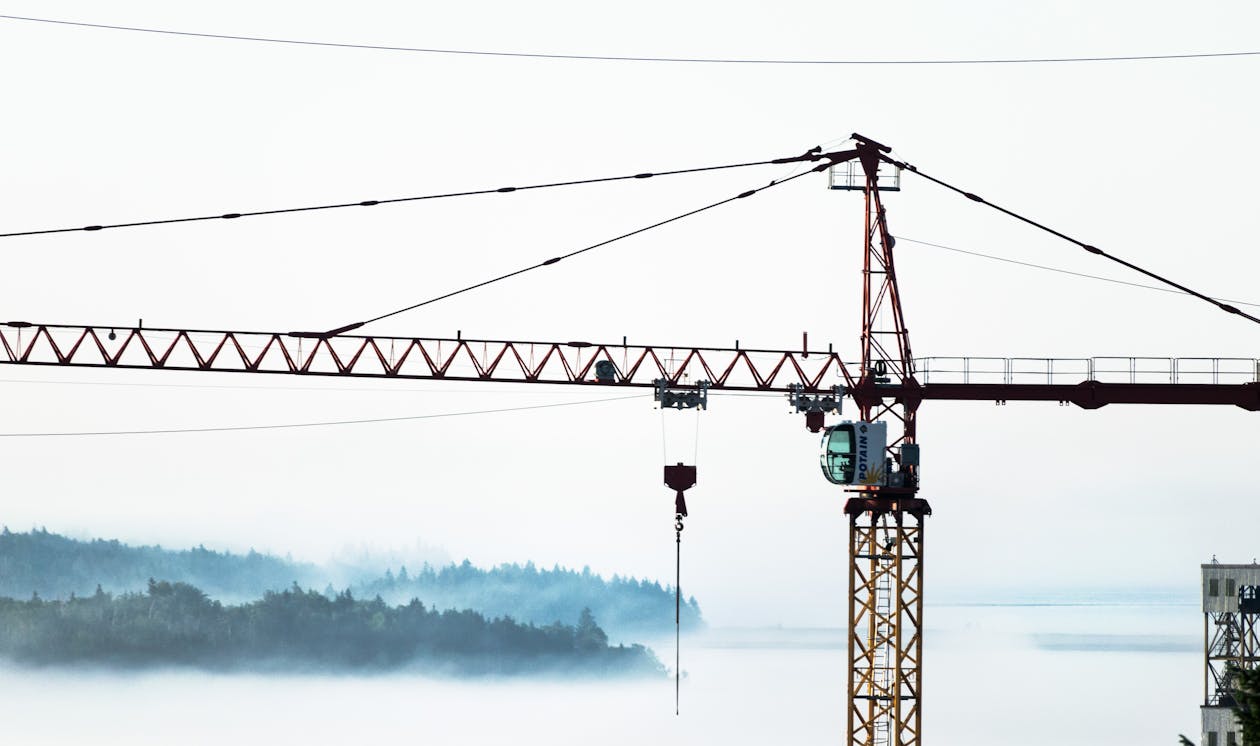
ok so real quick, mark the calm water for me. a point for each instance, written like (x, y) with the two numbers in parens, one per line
(996, 675)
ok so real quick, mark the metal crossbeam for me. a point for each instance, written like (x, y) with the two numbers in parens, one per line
(419, 357)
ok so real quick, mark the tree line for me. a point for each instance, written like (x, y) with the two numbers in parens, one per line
(56, 566)
(178, 624)
(625, 606)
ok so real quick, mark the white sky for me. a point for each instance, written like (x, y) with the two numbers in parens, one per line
(1153, 161)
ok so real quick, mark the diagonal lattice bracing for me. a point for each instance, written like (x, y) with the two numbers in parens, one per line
(885, 642)
(419, 358)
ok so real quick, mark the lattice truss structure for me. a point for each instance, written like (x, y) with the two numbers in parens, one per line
(573, 362)
(886, 356)
(1231, 642)
(885, 521)
(419, 357)
(885, 642)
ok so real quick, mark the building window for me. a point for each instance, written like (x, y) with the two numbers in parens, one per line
(1211, 738)
(1214, 587)
(1229, 587)
(1230, 739)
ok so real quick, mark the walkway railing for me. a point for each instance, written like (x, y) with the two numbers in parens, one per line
(1214, 370)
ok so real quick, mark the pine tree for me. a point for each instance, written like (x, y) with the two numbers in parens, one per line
(1247, 703)
(589, 636)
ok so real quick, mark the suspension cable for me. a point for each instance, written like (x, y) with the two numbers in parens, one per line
(1088, 247)
(831, 158)
(814, 154)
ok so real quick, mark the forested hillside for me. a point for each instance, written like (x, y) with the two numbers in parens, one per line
(54, 567)
(177, 624)
(624, 605)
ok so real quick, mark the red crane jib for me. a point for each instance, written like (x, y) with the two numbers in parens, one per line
(508, 361)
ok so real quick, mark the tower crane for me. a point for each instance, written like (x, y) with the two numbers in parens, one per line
(874, 458)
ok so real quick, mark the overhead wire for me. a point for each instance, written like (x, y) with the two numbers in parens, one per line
(329, 423)
(812, 155)
(640, 58)
(533, 391)
(1059, 270)
(1226, 307)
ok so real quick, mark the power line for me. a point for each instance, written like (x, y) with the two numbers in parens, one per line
(1061, 271)
(229, 387)
(832, 158)
(290, 426)
(627, 58)
(1088, 247)
(814, 154)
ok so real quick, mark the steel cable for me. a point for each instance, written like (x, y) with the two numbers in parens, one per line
(628, 58)
(1088, 247)
(813, 155)
(555, 259)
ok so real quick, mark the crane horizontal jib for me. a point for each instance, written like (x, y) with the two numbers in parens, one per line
(1231, 381)
(457, 358)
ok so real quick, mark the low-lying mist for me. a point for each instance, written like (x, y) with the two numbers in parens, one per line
(51, 566)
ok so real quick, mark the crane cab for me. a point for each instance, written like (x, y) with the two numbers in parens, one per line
(853, 453)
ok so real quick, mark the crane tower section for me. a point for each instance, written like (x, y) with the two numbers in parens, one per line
(886, 519)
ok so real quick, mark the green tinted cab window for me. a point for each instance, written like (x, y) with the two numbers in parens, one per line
(838, 455)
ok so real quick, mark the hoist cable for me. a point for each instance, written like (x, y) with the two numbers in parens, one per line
(664, 438)
(1088, 247)
(695, 456)
(616, 58)
(678, 528)
(554, 259)
(813, 155)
